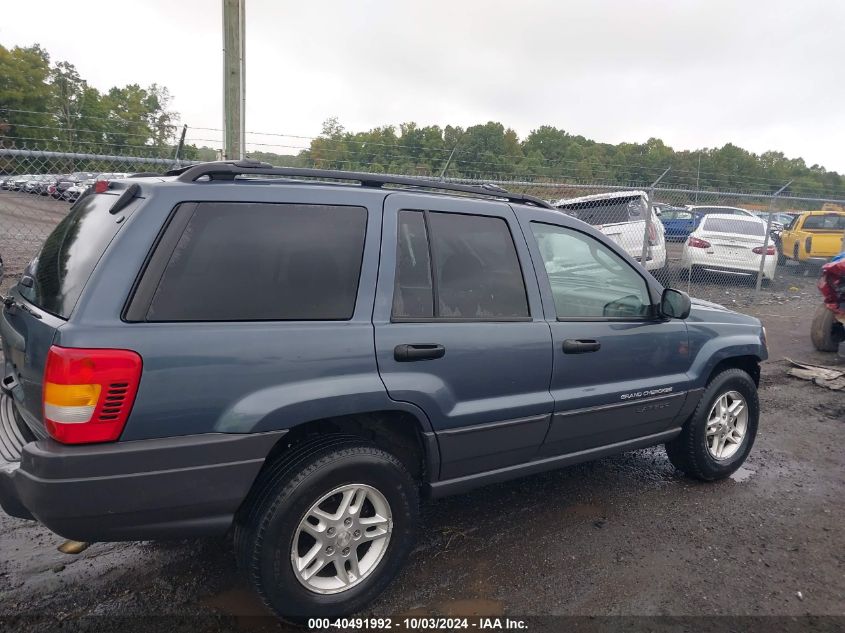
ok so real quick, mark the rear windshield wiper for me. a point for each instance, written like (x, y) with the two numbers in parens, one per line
(10, 302)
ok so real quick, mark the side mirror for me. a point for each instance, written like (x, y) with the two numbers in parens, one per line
(675, 304)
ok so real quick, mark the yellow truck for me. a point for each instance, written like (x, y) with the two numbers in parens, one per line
(813, 237)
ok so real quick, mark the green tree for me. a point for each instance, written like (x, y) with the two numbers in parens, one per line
(24, 95)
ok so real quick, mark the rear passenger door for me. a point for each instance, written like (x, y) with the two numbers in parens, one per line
(459, 329)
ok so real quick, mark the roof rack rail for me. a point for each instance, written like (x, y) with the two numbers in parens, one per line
(227, 170)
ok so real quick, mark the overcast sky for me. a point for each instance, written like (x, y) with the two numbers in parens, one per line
(763, 74)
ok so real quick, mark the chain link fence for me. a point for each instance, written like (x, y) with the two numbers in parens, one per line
(721, 246)
(37, 189)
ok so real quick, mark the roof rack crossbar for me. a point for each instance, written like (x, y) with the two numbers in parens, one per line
(229, 169)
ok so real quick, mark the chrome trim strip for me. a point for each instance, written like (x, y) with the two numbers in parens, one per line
(491, 426)
(619, 405)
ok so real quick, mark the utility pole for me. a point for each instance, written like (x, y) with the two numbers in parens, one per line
(233, 79)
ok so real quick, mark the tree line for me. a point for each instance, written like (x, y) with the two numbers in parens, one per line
(48, 105)
(493, 151)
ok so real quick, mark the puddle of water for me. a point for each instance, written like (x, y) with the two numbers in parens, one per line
(471, 607)
(742, 474)
(238, 602)
(460, 608)
(585, 510)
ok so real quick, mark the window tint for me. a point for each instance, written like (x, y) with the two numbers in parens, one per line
(722, 210)
(610, 211)
(676, 215)
(588, 279)
(70, 253)
(412, 294)
(742, 227)
(476, 269)
(252, 261)
(825, 222)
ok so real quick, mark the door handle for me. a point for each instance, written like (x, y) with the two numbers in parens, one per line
(422, 351)
(580, 346)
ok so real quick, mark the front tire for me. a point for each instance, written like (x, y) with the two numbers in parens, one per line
(719, 435)
(327, 528)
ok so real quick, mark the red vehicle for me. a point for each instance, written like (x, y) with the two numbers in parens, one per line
(828, 330)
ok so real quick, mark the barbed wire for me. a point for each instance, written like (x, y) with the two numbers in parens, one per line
(110, 119)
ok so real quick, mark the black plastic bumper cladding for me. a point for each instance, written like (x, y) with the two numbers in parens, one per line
(163, 488)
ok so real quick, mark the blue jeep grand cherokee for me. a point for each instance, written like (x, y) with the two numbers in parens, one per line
(297, 355)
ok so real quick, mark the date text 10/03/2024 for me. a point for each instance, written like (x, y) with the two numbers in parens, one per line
(418, 624)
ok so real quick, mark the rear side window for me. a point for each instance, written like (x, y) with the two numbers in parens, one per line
(474, 270)
(259, 262)
(70, 253)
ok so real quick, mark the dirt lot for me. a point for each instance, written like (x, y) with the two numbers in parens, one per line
(623, 536)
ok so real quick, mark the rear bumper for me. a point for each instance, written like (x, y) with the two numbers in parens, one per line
(146, 489)
(731, 267)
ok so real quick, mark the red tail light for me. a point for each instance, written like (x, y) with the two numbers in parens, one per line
(698, 243)
(770, 250)
(652, 235)
(101, 186)
(88, 393)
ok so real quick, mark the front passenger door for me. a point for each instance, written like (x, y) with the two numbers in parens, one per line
(619, 371)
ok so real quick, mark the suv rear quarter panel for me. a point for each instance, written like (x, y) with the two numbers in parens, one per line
(235, 377)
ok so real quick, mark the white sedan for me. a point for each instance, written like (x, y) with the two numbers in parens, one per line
(729, 244)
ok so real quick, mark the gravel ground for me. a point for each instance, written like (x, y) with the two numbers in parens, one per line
(623, 536)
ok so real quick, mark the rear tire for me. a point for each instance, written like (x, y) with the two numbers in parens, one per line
(826, 332)
(271, 531)
(801, 266)
(692, 453)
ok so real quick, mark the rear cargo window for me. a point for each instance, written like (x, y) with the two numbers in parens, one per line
(69, 255)
(263, 262)
(825, 222)
(599, 212)
(742, 227)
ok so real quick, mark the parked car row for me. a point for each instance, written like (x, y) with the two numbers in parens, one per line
(624, 218)
(680, 222)
(718, 239)
(727, 240)
(59, 186)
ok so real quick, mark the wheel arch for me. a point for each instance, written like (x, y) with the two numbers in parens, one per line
(402, 432)
(748, 363)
